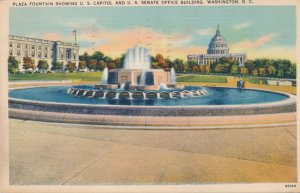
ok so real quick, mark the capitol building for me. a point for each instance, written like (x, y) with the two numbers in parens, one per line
(40, 49)
(217, 49)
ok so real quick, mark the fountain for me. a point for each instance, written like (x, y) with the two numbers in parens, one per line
(138, 90)
(104, 76)
(137, 79)
(173, 76)
(137, 73)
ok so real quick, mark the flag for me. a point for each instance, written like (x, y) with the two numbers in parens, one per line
(74, 32)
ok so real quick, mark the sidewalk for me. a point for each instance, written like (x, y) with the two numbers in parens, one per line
(53, 154)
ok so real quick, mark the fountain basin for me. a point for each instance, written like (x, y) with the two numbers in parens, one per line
(235, 102)
(106, 86)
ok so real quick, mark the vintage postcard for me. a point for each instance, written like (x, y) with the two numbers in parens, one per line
(149, 95)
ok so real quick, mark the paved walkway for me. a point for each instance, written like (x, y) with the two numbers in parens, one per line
(46, 153)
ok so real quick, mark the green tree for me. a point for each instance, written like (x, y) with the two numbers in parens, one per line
(178, 65)
(98, 56)
(111, 65)
(190, 65)
(280, 73)
(123, 60)
(291, 73)
(244, 71)
(201, 68)
(71, 66)
(85, 57)
(57, 66)
(207, 68)
(262, 72)
(195, 69)
(234, 70)
(92, 65)
(28, 63)
(43, 65)
(255, 72)
(271, 70)
(117, 62)
(13, 64)
(220, 68)
(154, 65)
(101, 65)
(82, 64)
(161, 61)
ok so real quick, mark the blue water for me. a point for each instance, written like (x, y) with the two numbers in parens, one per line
(215, 96)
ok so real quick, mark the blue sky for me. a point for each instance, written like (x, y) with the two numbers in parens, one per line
(259, 31)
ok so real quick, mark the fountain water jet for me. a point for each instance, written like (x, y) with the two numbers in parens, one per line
(173, 76)
(136, 78)
(104, 76)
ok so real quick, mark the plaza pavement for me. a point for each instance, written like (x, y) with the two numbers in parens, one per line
(69, 154)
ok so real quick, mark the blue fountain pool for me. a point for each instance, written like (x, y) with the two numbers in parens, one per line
(214, 96)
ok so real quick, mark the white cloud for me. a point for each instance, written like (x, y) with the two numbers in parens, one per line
(252, 44)
(206, 32)
(244, 25)
(183, 41)
(260, 48)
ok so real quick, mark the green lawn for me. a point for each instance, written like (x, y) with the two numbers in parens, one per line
(75, 76)
(255, 80)
(203, 78)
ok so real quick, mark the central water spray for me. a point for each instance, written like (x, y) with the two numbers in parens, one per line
(137, 58)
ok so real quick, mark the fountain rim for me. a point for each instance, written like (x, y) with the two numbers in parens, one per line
(290, 100)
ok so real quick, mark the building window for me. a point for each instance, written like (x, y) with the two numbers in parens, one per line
(39, 47)
(26, 46)
(10, 44)
(32, 53)
(18, 45)
(39, 54)
(46, 48)
(18, 53)
(33, 47)
(10, 52)
(26, 53)
(46, 55)
(68, 53)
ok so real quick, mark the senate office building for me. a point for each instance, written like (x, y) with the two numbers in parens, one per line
(41, 49)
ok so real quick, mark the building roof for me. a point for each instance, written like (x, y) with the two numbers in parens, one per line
(218, 44)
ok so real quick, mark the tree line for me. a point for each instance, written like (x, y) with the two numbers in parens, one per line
(277, 68)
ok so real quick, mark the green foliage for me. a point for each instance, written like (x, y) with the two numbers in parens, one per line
(234, 69)
(82, 64)
(13, 64)
(255, 80)
(258, 67)
(192, 66)
(28, 63)
(92, 65)
(71, 66)
(43, 65)
(57, 66)
(244, 71)
(161, 61)
(221, 68)
(179, 65)
(83, 76)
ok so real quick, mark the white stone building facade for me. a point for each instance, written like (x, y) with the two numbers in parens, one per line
(217, 49)
(40, 49)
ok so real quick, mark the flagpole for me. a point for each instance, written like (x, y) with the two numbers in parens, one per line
(75, 36)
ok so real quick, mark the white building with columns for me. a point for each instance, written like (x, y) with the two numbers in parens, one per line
(40, 49)
(217, 49)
